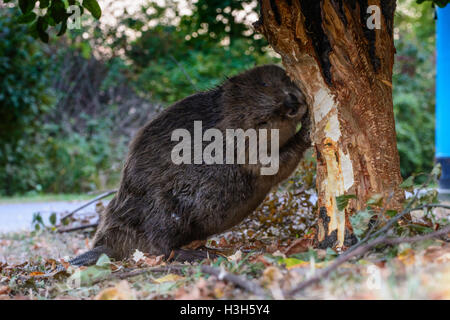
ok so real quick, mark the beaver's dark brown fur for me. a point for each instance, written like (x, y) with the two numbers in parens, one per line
(161, 206)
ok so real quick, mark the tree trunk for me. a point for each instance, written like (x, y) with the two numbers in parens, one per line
(345, 70)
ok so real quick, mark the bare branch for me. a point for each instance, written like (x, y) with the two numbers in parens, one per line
(82, 227)
(102, 196)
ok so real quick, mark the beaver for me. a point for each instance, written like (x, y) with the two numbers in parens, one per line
(161, 206)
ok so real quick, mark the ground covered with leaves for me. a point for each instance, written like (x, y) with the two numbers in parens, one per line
(30, 271)
(271, 255)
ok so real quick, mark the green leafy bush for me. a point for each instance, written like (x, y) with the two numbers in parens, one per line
(40, 151)
(25, 71)
(414, 94)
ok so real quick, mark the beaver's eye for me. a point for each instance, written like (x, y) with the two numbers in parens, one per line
(264, 84)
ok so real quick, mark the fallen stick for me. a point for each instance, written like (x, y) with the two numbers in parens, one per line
(240, 281)
(85, 226)
(138, 272)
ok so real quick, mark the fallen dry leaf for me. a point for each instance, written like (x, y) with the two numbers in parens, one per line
(64, 263)
(219, 289)
(5, 290)
(260, 258)
(171, 256)
(223, 243)
(194, 245)
(271, 275)
(407, 256)
(36, 274)
(120, 291)
(443, 258)
(299, 245)
(236, 257)
(168, 278)
(152, 261)
(199, 291)
(99, 207)
(273, 247)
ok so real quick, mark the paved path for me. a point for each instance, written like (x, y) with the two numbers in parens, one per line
(18, 216)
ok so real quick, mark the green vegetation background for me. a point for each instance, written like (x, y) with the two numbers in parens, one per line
(69, 108)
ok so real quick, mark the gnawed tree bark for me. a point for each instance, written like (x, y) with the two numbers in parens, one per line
(345, 69)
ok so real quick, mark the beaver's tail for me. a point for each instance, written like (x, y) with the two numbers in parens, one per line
(90, 257)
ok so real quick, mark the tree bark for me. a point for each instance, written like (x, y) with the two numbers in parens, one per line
(345, 70)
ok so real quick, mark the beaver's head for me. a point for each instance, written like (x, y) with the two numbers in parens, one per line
(264, 97)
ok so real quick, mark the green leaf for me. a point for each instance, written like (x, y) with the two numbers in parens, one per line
(289, 262)
(391, 213)
(306, 256)
(342, 201)
(27, 17)
(63, 28)
(360, 222)
(44, 3)
(408, 184)
(431, 196)
(421, 229)
(376, 200)
(58, 11)
(41, 28)
(37, 218)
(437, 171)
(32, 30)
(103, 261)
(26, 5)
(52, 219)
(93, 7)
(89, 275)
(331, 252)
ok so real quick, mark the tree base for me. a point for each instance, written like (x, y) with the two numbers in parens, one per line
(330, 240)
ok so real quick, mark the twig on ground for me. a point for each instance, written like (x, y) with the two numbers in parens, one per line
(240, 281)
(323, 273)
(102, 196)
(138, 272)
(85, 226)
